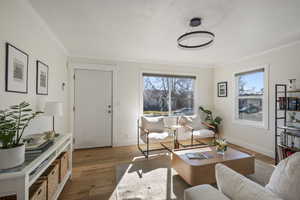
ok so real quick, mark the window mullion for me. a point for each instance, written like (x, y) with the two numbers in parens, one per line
(170, 94)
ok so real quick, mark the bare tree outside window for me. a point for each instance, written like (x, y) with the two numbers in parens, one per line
(166, 95)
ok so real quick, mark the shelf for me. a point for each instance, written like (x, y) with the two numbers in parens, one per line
(289, 110)
(293, 134)
(290, 91)
(290, 128)
(289, 148)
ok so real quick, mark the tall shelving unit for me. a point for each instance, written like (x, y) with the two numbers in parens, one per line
(286, 133)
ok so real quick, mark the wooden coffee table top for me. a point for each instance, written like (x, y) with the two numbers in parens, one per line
(214, 157)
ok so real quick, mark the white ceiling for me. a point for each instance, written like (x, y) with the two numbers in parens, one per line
(146, 30)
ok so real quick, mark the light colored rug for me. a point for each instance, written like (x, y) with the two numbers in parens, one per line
(154, 179)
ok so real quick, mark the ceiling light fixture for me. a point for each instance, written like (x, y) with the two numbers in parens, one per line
(197, 38)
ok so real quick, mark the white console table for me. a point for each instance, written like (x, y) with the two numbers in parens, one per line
(17, 181)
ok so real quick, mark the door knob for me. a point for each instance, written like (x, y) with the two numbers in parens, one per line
(109, 111)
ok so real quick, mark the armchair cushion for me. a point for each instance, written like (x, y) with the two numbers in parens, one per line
(153, 124)
(237, 187)
(203, 133)
(157, 137)
(285, 180)
(194, 121)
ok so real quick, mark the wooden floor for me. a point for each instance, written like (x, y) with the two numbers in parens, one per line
(94, 175)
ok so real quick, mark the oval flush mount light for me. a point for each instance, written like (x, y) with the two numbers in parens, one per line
(197, 38)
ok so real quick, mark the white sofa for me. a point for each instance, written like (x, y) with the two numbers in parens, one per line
(284, 184)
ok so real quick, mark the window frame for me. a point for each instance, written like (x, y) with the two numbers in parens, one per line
(178, 74)
(265, 98)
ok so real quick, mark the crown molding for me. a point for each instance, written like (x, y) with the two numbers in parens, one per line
(142, 61)
(245, 58)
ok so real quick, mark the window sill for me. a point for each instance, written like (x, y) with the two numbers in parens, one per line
(253, 124)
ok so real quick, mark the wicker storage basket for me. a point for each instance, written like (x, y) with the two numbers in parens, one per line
(38, 191)
(51, 175)
(63, 161)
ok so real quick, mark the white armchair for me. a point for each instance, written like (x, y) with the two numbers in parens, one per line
(197, 128)
(152, 130)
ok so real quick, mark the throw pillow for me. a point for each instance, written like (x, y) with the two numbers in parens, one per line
(285, 180)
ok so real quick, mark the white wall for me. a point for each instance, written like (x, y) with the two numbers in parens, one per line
(284, 64)
(128, 102)
(22, 27)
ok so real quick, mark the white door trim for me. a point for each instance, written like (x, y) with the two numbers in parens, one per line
(111, 68)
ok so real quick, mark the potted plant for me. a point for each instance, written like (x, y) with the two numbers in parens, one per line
(214, 122)
(221, 145)
(13, 122)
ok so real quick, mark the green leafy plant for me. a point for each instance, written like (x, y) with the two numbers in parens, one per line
(215, 122)
(13, 122)
(221, 144)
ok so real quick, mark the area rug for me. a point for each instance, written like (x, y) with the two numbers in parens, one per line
(154, 179)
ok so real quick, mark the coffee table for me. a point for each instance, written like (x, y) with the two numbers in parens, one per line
(202, 171)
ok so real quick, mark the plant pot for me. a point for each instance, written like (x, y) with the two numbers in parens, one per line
(12, 157)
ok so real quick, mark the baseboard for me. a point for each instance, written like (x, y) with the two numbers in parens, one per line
(252, 147)
(125, 143)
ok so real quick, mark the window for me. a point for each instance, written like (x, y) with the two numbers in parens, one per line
(251, 97)
(166, 95)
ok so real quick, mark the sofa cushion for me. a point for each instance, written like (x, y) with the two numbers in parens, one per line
(237, 187)
(203, 192)
(153, 124)
(285, 180)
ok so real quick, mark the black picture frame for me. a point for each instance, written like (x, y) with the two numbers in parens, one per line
(12, 51)
(42, 67)
(222, 86)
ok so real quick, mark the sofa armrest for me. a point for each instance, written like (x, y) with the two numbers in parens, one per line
(235, 186)
(203, 192)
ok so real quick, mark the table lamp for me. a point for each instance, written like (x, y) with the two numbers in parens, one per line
(53, 109)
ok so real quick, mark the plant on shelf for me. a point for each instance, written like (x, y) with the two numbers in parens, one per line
(214, 122)
(13, 122)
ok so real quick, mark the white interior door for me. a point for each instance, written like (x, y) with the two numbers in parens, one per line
(93, 108)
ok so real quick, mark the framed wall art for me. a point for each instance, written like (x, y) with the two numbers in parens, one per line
(42, 77)
(16, 75)
(222, 89)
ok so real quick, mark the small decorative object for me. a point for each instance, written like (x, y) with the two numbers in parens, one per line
(13, 122)
(204, 37)
(42, 71)
(293, 117)
(292, 84)
(215, 122)
(221, 146)
(53, 109)
(222, 89)
(16, 78)
(63, 85)
(50, 135)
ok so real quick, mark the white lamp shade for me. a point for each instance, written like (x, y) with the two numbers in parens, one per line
(53, 108)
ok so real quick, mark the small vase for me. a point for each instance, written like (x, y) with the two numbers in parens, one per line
(292, 84)
(221, 150)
